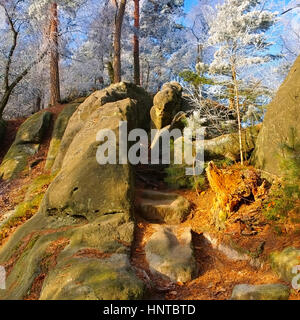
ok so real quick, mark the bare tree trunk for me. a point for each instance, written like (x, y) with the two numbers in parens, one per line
(148, 75)
(136, 44)
(54, 56)
(237, 104)
(120, 11)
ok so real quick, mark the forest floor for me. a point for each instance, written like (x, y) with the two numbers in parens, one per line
(217, 274)
(13, 192)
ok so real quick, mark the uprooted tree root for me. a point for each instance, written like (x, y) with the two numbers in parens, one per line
(233, 187)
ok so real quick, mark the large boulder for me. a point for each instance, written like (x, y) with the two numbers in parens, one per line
(169, 252)
(227, 146)
(83, 186)
(67, 260)
(260, 292)
(167, 103)
(60, 126)
(285, 263)
(281, 124)
(26, 144)
(99, 98)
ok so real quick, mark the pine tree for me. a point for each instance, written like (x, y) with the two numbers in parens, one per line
(239, 33)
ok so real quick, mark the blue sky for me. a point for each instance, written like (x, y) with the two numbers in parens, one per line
(188, 4)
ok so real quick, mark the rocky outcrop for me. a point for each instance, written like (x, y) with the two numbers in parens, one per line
(281, 124)
(83, 186)
(260, 292)
(26, 144)
(227, 146)
(164, 207)
(60, 126)
(285, 263)
(113, 93)
(167, 103)
(169, 252)
(78, 245)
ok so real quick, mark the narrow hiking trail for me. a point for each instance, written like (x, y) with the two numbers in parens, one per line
(216, 273)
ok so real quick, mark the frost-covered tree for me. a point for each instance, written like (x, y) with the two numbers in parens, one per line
(19, 39)
(239, 34)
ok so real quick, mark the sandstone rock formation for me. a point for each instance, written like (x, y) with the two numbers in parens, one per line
(78, 245)
(281, 124)
(164, 207)
(227, 146)
(26, 144)
(167, 103)
(169, 252)
(113, 93)
(58, 131)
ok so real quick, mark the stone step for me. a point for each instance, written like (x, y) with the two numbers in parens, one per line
(169, 208)
(170, 253)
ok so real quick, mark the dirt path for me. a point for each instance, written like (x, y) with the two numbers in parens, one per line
(217, 274)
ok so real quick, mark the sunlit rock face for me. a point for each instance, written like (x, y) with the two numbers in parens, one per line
(281, 126)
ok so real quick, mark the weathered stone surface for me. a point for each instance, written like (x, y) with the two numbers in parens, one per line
(281, 124)
(83, 186)
(283, 263)
(169, 252)
(227, 146)
(92, 263)
(2, 129)
(163, 207)
(34, 128)
(260, 292)
(167, 103)
(26, 144)
(78, 245)
(58, 131)
(93, 279)
(113, 93)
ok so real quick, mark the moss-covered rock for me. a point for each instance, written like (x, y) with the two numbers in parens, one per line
(88, 208)
(227, 146)
(281, 124)
(58, 131)
(26, 144)
(283, 262)
(33, 129)
(94, 264)
(28, 207)
(83, 186)
(93, 279)
(260, 292)
(113, 93)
